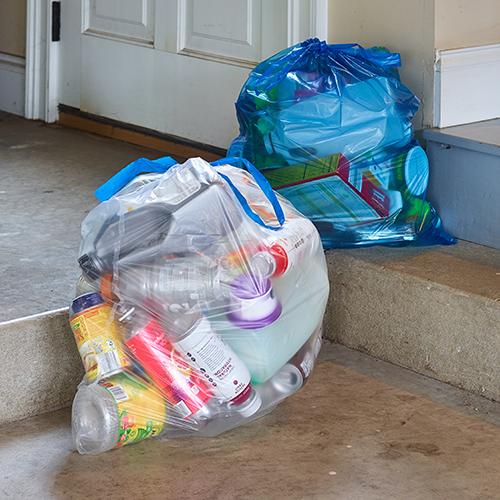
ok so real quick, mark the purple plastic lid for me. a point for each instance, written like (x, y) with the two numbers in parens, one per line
(258, 323)
(250, 286)
(247, 287)
(86, 301)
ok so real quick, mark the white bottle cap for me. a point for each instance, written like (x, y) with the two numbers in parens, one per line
(250, 406)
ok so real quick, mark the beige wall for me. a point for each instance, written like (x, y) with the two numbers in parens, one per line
(465, 23)
(13, 27)
(405, 26)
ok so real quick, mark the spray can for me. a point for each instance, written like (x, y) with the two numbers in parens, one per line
(229, 378)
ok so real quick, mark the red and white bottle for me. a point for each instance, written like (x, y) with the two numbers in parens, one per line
(227, 376)
(286, 248)
(180, 384)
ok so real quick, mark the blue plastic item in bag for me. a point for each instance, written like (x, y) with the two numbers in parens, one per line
(330, 128)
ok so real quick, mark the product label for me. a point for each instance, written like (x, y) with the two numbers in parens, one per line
(222, 369)
(141, 408)
(307, 364)
(294, 241)
(98, 342)
(334, 199)
(181, 385)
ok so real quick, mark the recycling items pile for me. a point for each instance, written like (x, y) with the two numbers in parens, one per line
(199, 307)
(330, 126)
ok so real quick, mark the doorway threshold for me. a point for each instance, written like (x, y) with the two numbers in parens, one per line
(175, 146)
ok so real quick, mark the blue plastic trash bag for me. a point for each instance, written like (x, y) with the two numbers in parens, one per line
(330, 128)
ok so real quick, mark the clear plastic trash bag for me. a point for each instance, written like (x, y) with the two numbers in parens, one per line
(199, 307)
(330, 128)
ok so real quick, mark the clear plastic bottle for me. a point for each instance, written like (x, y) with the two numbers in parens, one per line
(180, 283)
(285, 382)
(116, 411)
(85, 285)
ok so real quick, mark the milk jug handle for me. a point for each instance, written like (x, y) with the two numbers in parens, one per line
(264, 185)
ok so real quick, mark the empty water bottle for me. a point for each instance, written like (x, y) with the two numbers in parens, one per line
(177, 284)
(117, 411)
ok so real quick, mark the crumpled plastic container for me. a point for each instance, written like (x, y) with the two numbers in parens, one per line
(200, 303)
(330, 128)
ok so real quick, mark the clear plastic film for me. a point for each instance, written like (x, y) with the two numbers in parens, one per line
(330, 127)
(199, 307)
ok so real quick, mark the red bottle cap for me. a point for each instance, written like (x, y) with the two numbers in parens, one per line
(280, 257)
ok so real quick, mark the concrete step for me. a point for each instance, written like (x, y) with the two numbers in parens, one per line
(433, 310)
(361, 428)
(40, 367)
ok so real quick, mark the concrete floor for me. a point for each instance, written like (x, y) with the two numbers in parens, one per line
(361, 429)
(47, 178)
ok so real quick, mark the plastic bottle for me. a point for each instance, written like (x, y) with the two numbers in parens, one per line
(136, 234)
(293, 375)
(285, 382)
(116, 411)
(84, 285)
(196, 211)
(285, 249)
(229, 378)
(265, 349)
(179, 283)
(182, 386)
(253, 302)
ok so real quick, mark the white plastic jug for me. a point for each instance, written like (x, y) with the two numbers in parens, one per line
(265, 350)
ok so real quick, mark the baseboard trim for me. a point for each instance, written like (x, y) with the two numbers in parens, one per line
(466, 85)
(177, 147)
(12, 78)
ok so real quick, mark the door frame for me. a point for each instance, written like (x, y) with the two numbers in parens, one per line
(42, 53)
(42, 71)
(318, 20)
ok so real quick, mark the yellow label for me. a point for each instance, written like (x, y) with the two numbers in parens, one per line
(98, 342)
(141, 408)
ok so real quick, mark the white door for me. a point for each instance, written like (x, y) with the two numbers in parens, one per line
(175, 66)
